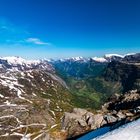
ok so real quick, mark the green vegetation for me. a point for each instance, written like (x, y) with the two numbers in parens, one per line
(90, 90)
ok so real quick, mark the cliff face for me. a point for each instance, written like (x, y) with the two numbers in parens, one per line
(132, 58)
(128, 101)
(127, 73)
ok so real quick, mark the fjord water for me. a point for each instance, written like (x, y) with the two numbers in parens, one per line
(130, 131)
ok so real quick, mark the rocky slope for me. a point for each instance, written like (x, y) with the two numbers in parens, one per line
(79, 68)
(32, 98)
(122, 108)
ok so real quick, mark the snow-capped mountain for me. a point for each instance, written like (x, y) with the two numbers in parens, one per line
(73, 59)
(106, 58)
(112, 55)
(14, 63)
(18, 60)
(19, 64)
(99, 59)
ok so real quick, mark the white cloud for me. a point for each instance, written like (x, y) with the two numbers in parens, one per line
(11, 34)
(36, 41)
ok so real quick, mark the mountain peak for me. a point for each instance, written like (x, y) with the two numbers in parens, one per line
(18, 60)
(112, 55)
(99, 59)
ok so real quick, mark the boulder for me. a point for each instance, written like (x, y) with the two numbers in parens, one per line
(68, 119)
(82, 122)
(98, 119)
(120, 115)
(77, 122)
(79, 111)
(136, 110)
(109, 118)
(129, 114)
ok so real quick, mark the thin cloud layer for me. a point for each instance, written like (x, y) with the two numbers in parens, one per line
(11, 34)
(36, 41)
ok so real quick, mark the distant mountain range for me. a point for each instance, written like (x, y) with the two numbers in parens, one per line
(15, 60)
(105, 58)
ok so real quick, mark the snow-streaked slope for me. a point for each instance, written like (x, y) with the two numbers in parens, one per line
(19, 60)
(130, 131)
(30, 95)
(13, 63)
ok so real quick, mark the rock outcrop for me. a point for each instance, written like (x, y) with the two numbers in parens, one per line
(77, 122)
(124, 108)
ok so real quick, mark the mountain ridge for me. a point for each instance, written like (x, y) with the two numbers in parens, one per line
(20, 60)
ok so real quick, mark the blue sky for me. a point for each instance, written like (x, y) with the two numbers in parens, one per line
(65, 28)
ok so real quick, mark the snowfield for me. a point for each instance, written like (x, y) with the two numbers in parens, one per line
(129, 131)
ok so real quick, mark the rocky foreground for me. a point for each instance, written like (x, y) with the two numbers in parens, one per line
(121, 108)
(124, 107)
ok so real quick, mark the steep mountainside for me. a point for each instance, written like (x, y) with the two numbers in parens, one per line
(77, 75)
(84, 78)
(80, 68)
(32, 98)
(96, 79)
(126, 72)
